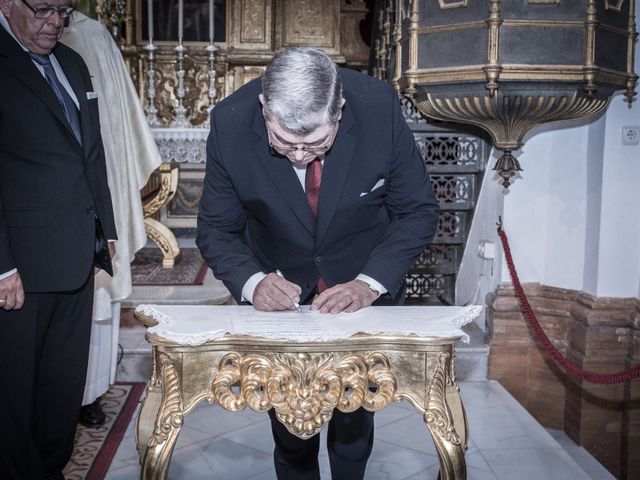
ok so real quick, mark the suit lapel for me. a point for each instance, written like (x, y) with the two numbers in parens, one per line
(74, 76)
(334, 173)
(281, 173)
(23, 68)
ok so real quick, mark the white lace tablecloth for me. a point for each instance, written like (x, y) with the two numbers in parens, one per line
(197, 324)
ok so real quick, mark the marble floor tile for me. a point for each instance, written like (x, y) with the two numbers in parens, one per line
(533, 464)
(266, 475)
(393, 413)
(257, 436)
(409, 432)
(496, 422)
(214, 420)
(218, 459)
(586, 461)
(390, 461)
(128, 472)
(505, 443)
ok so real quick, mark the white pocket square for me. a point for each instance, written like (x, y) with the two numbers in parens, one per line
(378, 184)
(91, 95)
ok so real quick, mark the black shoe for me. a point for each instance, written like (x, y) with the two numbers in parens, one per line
(92, 415)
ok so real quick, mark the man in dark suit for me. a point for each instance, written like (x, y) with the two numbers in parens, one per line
(315, 193)
(55, 219)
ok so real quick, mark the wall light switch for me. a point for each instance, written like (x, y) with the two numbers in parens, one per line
(631, 135)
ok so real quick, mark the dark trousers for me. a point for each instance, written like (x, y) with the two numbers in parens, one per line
(349, 443)
(44, 349)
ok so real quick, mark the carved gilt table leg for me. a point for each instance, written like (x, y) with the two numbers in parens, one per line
(149, 409)
(164, 399)
(156, 231)
(446, 420)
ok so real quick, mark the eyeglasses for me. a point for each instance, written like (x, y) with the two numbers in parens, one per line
(43, 13)
(285, 148)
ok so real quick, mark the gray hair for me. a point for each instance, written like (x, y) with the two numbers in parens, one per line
(302, 90)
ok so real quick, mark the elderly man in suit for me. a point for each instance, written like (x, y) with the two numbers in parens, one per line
(315, 193)
(55, 220)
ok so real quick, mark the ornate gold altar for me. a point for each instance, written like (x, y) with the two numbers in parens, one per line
(304, 381)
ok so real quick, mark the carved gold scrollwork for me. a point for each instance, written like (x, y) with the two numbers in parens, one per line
(227, 376)
(168, 186)
(304, 391)
(171, 414)
(437, 415)
(156, 231)
(255, 375)
(353, 372)
(302, 388)
(382, 379)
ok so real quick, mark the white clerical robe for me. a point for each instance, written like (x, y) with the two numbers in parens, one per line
(131, 156)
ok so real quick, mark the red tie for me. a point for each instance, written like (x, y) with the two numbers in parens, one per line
(312, 180)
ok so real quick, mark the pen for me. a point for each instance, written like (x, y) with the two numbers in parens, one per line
(295, 304)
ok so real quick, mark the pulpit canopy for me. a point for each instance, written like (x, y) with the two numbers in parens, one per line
(508, 66)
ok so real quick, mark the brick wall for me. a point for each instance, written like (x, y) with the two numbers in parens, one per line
(597, 334)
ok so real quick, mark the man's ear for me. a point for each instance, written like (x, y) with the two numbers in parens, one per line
(260, 96)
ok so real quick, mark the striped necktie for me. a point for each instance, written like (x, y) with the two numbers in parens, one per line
(312, 180)
(64, 99)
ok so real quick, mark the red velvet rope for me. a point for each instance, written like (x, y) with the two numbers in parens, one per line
(571, 368)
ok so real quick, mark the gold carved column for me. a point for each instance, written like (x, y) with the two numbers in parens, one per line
(166, 183)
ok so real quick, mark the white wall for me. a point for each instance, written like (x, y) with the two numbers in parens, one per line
(573, 220)
(594, 163)
(478, 276)
(619, 253)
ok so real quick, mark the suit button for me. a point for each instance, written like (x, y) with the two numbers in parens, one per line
(89, 209)
(318, 259)
(306, 284)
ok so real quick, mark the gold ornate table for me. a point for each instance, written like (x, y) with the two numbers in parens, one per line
(303, 380)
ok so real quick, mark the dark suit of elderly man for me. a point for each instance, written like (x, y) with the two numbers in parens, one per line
(54, 204)
(315, 193)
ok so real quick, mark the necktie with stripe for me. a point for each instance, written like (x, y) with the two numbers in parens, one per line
(64, 99)
(312, 180)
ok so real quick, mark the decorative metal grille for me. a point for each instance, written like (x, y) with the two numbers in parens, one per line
(444, 152)
(429, 289)
(454, 191)
(452, 226)
(438, 259)
(456, 162)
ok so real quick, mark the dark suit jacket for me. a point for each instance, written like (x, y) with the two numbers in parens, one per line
(51, 188)
(254, 215)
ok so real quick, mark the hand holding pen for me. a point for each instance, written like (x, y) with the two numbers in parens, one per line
(295, 304)
(275, 293)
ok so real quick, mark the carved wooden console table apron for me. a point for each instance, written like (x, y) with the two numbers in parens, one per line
(303, 380)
